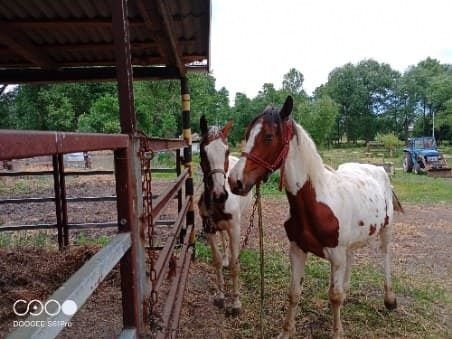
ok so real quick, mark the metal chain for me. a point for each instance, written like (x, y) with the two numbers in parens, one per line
(261, 251)
(251, 222)
(146, 154)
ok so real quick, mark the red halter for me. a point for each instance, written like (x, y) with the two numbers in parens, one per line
(281, 159)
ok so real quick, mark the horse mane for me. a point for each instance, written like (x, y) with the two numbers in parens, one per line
(310, 157)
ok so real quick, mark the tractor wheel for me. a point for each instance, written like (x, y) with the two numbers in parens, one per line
(407, 163)
(417, 168)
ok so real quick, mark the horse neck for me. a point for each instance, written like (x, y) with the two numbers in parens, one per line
(303, 162)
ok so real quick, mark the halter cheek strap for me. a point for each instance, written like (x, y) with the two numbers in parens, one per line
(281, 159)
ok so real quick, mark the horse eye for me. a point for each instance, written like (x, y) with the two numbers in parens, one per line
(268, 138)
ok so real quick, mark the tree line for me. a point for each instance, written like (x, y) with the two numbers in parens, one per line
(357, 102)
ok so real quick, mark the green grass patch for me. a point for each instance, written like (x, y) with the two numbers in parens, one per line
(420, 312)
(423, 189)
(34, 238)
(81, 239)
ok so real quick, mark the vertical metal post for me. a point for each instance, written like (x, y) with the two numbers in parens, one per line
(178, 172)
(64, 219)
(185, 94)
(124, 70)
(128, 179)
(56, 187)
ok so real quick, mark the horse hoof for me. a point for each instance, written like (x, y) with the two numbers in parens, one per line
(218, 302)
(233, 311)
(391, 305)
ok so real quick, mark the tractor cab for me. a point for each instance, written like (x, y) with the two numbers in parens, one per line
(422, 155)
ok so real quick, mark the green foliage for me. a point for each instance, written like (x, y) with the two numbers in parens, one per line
(103, 116)
(389, 140)
(357, 102)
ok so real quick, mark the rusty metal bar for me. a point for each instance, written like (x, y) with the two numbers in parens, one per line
(94, 74)
(169, 193)
(171, 309)
(77, 173)
(124, 71)
(133, 273)
(64, 218)
(58, 206)
(78, 288)
(165, 254)
(25, 144)
(165, 144)
(26, 200)
(69, 200)
(74, 226)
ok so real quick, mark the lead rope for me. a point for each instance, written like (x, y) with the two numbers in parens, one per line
(261, 251)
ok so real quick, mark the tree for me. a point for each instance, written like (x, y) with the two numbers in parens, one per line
(103, 116)
(293, 82)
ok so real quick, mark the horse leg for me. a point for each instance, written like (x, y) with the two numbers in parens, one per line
(336, 293)
(218, 264)
(225, 249)
(348, 271)
(297, 263)
(386, 240)
(234, 265)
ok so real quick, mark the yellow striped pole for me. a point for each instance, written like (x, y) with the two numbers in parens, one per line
(186, 133)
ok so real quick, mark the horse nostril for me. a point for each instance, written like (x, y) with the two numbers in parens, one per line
(239, 185)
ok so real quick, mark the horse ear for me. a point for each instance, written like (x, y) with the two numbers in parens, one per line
(227, 128)
(203, 125)
(287, 108)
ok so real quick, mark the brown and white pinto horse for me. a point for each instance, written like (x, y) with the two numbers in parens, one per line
(219, 208)
(331, 212)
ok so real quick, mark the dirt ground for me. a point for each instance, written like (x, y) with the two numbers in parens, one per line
(422, 242)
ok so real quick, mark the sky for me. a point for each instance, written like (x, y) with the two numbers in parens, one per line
(258, 41)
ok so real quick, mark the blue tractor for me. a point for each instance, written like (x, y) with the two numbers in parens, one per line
(421, 155)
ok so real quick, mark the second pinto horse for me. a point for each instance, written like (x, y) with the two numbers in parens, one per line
(331, 212)
(219, 208)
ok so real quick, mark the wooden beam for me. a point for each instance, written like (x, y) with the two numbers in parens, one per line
(20, 45)
(96, 74)
(141, 61)
(168, 25)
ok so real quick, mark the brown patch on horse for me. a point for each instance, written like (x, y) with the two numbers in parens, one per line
(372, 229)
(312, 224)
(361, 223)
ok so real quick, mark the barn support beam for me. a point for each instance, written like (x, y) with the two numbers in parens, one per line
(185, 96)
(128, 179)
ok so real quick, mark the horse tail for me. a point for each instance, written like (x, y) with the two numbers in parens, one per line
(396, 203)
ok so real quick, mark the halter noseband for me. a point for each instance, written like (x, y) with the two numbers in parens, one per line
(281, 159)
(217, 170)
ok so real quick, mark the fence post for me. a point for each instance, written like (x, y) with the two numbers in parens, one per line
(185, 96)
(57, 189)
(128, 178)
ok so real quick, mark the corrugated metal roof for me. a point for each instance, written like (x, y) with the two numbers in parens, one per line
(76, 33)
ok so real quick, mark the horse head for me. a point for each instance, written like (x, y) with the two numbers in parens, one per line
(267, 144)
(214, 151)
